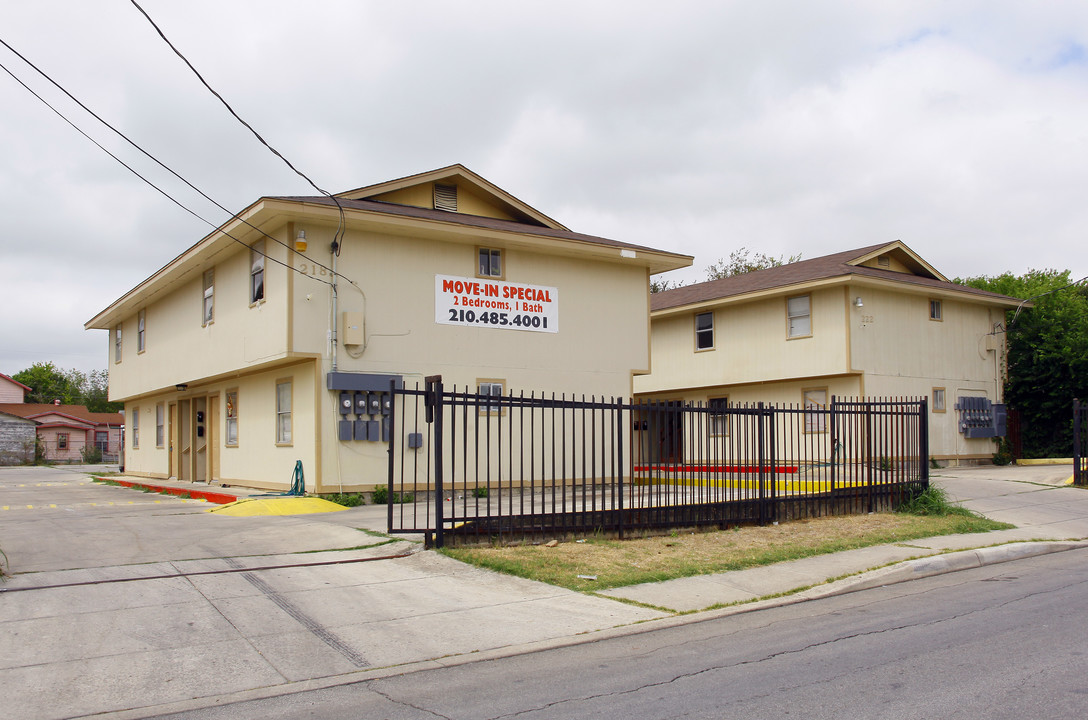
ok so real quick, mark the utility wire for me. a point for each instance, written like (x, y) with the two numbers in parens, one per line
(234, 216)
(1020, 307)
(340, 230)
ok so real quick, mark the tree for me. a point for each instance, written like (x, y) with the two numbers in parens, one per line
(71, 387)
(743, 261)
(740, 261)
(1047, 355)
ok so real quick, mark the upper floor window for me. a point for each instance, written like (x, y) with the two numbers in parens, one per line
(490, 263)
(141, 327)
(256, 272)
(208, 310)
(936, 312)
(117, 343)
(799, 316)
(704, 331)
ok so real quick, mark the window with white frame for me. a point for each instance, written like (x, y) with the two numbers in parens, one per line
(208, 307)
(815, 401)
(256, 272)
(283, 412)
(719, 419)
(799, 316)
(135, 428)
(491, 390)
(490, 263)
(160, 425)
(141, 328)
(936, 311)
(704, 331)
(232, 418)
(117, 343)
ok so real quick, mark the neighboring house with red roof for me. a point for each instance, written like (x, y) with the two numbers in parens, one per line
(876, 321)
(11, 390)
(65, 430)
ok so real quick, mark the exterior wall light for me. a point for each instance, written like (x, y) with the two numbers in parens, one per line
(181, 387)
(300, 241)
(858, 303)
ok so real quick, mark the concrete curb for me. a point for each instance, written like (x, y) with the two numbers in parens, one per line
(891, 575)
(938, 565)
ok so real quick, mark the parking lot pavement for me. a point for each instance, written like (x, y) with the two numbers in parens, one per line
(122, 601)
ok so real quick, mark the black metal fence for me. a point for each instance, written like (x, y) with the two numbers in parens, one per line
(466, 466)
(1080, 443)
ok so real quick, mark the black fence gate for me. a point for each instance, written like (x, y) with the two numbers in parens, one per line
(1080, 443)
(471, 466)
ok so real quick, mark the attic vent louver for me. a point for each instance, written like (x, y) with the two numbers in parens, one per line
(884, 261)
(445, 197)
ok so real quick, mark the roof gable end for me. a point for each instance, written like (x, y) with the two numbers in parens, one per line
(897, 257)
(475, 196)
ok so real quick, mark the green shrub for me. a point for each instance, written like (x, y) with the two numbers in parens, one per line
(91, 454)
(346, 499)
(479, 492)
(380, 496)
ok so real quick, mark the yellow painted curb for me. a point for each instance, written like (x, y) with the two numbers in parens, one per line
(251, 507)
(1046, 461)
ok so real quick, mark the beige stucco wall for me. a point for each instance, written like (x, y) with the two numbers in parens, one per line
(602, 339)
(750, 345)
(179, 349)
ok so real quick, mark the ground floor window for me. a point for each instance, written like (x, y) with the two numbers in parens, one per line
(62, 441)
(160, 417)
(815, 401)
(719, 421)
(491, 389)
(135, 428)
(283, 412)
(102, 440)
(232, 418)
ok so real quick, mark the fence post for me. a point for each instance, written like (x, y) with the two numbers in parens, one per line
(392, 451)
(923, 442)
(621, 427)
(869, 452)
(434, 415)
(760, 457)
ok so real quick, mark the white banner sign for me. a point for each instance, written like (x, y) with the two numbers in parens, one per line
(478, 302)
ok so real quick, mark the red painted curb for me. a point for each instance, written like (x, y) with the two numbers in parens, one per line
(212, 497)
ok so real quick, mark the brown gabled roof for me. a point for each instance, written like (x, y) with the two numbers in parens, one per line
(806, 271)
(76, 412)
(458, 218)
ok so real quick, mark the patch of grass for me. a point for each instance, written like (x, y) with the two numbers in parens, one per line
(616, 563)
(479, 492)
(346, 499)
(104, 481)
(934, 502)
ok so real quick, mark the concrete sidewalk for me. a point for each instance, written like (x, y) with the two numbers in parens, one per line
(132, 604)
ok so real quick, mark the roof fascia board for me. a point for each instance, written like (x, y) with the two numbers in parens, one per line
(793, 289)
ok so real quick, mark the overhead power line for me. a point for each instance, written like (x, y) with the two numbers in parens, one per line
(339, 231)
(234, 216)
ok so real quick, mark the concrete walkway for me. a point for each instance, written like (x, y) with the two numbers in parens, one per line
(132, 604)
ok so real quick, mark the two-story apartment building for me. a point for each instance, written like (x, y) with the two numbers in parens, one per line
(877, 321)
(234, 359)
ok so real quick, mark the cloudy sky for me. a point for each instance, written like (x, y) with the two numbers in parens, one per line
(960, 128)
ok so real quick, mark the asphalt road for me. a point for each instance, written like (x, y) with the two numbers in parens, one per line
(1004, 641)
